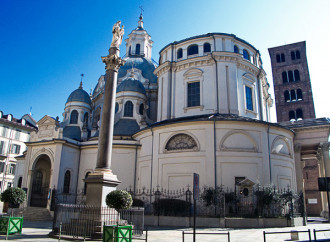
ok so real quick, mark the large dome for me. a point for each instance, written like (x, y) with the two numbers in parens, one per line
(144, 64)
(132, 85)
(79, 95)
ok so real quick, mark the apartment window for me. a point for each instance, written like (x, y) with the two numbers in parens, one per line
(74, 117)
(17, 134)
(12, 169)
(192, 49)
(2, 147)
(128, 110)
(15, 149)
(2, 166)
(193, 94)
(4, 131)
(179, 53)
(248, 98)
(67, 178)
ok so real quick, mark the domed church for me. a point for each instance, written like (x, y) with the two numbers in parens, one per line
(204, 109)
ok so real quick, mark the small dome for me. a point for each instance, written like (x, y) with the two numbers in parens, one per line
(79, 95)
(132, 85)
(141, 63)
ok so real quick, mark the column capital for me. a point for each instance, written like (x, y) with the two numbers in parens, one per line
(112, 62)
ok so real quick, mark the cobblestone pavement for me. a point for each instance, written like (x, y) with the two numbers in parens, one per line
(38, 231)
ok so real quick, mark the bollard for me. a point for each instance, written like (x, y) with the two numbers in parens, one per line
(294, 235)
(59, 236)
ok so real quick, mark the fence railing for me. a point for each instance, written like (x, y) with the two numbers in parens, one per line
(87, 221)
(248, 202)
(218, 234)
(295, 233)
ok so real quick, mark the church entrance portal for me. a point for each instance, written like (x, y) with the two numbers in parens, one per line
(40, 182)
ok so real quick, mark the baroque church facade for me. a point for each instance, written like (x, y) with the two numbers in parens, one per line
(204, 109)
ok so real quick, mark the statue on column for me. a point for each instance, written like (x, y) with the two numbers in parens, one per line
(117, 33)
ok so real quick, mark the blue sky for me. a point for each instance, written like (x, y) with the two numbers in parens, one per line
(46, 44)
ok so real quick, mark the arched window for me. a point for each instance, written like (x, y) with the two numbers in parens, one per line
(207, 48)
(282, 57)
(74, 117)
(293, 55)
(128, 110)
(246, 55)
(278, 58)
(137, 49)
(293, 95)
(292, 115)
(296, 75)
(66, 185)
(192, 50)
(290, 74)
(236, 49)
(179, 53)
(284, 77)
(116, 107)
(287, 96)
(181, 142)
(141, 109)
(19, 183)
(298, 54)
(299, 95)
(85, 185)
(86, 119)
(299, 114)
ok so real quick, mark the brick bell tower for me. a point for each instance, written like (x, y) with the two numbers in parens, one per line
(292, 85)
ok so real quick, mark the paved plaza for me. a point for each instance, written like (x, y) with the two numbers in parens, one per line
(38, 231)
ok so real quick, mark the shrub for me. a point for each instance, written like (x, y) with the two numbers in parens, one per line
(14, 196)
(137, 203)
(211, 196)
(119, 199)
(171, 207)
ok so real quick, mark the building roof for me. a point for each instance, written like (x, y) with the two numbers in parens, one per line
(131, 84)
(126, 127)
(144, 64)
(306, 123)
(72, 132)
(79, 95)
(16, 122)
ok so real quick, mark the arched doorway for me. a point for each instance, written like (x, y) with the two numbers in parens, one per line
(40, 181)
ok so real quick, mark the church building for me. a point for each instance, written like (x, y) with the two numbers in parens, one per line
(204, 109)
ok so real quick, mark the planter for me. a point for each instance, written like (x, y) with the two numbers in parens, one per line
(11, 225)
(114, 233)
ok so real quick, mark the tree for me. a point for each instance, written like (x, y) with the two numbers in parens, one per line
(119, 199)
(14, 196)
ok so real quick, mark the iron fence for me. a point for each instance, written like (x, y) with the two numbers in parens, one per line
(242, 202)
(87, 221)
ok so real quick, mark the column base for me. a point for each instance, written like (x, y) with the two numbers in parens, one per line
(99, 184)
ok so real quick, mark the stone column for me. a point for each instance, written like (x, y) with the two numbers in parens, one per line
(103, 181)
(323, 159)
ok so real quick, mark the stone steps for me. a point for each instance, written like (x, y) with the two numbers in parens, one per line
(34, 214)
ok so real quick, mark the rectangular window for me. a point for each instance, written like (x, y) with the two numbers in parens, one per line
(2, 147)
(2, 166)
(17, 134)
(4, 131)
(12, 169)
(193, 94)
(248, 96)
(15, 149)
